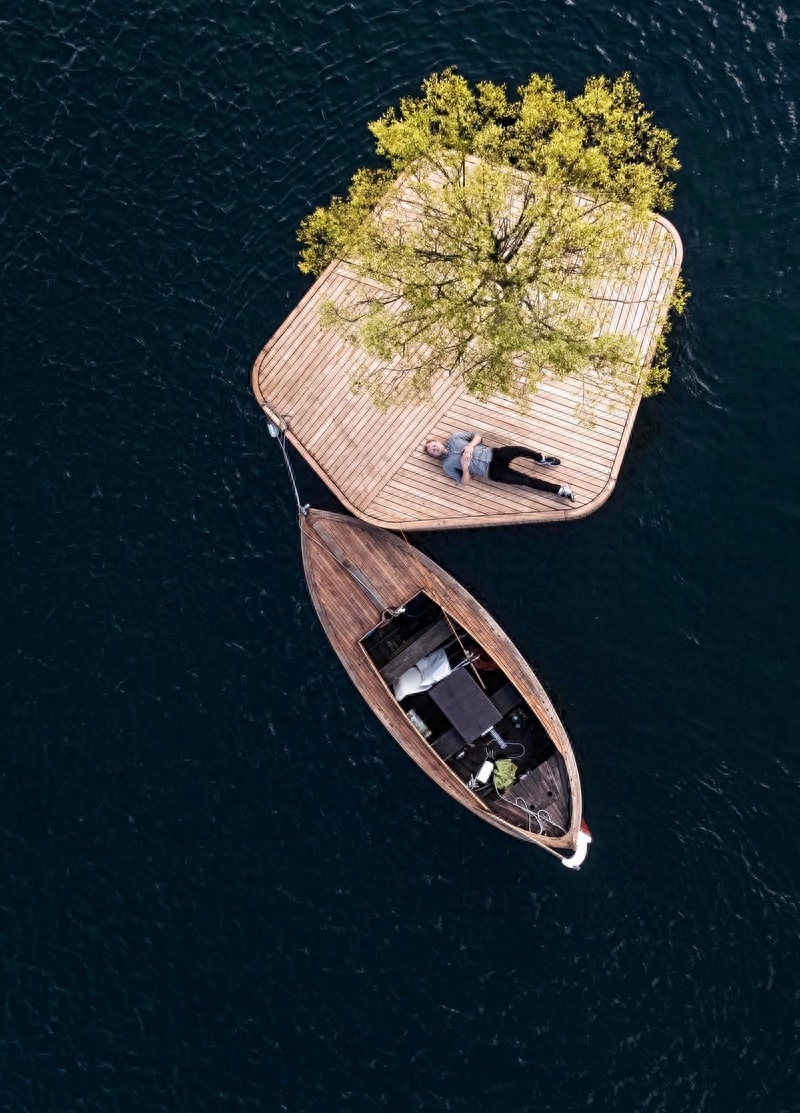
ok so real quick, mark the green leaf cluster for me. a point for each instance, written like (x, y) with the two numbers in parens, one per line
(602, 142)
(658, 374)
(480, 249)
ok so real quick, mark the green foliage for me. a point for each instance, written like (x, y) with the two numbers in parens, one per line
(603, 141)
(657, 375)
(328, 233)
(481, 248)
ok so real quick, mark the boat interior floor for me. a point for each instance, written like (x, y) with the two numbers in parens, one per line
(538, 800)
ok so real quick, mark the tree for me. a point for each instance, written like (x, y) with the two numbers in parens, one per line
(483, 249)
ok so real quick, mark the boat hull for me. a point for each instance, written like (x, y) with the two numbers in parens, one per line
(336, 550)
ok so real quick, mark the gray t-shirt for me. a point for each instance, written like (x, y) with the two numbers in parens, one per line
(481, 457)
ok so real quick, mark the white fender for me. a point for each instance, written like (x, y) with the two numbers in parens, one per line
(581, 850)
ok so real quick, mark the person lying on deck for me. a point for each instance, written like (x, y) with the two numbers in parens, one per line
(464, 457)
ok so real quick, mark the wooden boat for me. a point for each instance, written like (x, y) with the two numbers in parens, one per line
(480, 717)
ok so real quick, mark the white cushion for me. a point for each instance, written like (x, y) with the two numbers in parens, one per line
(427, 672)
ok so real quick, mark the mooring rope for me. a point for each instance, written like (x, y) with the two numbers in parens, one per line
(280, 436)
(326, 543)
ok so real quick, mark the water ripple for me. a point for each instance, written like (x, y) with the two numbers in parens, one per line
(225, 887)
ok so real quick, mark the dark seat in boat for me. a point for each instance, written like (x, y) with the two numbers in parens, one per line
(506, 698)
(451, 742)
(448, 744)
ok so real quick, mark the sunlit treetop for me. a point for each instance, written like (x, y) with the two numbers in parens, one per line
(483, 242)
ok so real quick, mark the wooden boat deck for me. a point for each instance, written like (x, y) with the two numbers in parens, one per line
(374, 461)
(334, 546)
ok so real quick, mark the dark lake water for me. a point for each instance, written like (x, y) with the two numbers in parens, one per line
(224, 887)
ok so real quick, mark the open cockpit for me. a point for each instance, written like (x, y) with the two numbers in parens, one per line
(468, 711)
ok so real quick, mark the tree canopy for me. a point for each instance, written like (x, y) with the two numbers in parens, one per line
(482, 247)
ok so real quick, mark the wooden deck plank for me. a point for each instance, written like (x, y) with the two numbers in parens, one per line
(383, 439)
(373, 459)
(321, 358)
(549, 423)
(474, 499)
(408, 432)
(291, 322)
(279, 363)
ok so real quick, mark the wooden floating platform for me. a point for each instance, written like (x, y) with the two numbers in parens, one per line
(374, 460)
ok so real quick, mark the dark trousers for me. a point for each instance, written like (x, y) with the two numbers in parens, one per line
(500, 469)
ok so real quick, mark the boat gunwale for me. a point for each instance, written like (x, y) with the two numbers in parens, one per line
(391, 714)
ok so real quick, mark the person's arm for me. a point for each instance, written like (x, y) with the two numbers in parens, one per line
(466, 457)
(452, 468)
